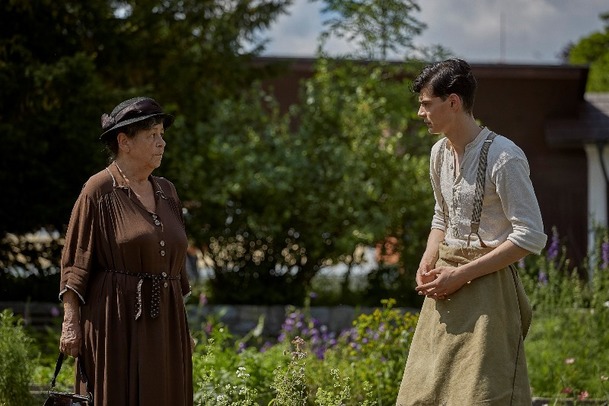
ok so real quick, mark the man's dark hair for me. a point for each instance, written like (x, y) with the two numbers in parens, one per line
(447, 77)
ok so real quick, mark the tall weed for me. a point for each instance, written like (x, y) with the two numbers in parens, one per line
(15, 361)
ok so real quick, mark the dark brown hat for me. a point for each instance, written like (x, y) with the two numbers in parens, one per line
(131, 111)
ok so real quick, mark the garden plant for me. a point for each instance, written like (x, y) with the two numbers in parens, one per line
(567, 348)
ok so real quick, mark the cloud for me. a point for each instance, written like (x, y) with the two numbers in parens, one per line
(296, 34)
(530, 31)
(513, 30)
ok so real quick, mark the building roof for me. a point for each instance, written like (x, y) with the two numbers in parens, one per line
(590, 126)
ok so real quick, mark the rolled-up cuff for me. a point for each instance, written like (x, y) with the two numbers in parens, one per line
(82, 299)
(533, 241)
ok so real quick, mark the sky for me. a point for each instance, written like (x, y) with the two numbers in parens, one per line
(532, 32)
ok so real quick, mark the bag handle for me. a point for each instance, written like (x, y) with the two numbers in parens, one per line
(81, 369)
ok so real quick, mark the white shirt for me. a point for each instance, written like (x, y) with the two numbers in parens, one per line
(510, 210)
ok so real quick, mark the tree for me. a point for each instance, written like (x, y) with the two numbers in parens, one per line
(50, 96)
(272, 204)
(270, 201)
(594, 50)
(62, 64)
(378, 26)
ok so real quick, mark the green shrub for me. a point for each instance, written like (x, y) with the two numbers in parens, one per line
(372, 355)
(15, 361)
(567, 354)
(567, 348)
(308, 366)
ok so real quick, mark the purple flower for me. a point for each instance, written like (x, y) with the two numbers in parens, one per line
(542, 278)
(554, 245)
(605, 254)
(55, 311)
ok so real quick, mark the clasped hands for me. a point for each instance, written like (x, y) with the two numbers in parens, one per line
(440, 282)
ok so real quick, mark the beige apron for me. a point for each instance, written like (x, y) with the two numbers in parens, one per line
(468, 349)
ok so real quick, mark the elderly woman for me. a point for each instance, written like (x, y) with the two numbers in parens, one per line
(123, 273)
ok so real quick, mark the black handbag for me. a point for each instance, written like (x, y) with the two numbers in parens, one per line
(66, 398)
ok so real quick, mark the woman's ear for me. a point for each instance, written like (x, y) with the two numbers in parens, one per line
(123, 142)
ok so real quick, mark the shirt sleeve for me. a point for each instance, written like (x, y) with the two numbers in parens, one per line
(519, 203)
(438, 220)
(78, 249)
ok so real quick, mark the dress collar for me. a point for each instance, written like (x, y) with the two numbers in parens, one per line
(119, 182)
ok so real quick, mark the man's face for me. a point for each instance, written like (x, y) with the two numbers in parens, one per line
(434, 111)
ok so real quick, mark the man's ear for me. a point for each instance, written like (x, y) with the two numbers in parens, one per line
(454, 100)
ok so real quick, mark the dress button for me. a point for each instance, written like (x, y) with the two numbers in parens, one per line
(162, 243)
(165, 284)
(157, 222)
(164, 274)
(162, 253)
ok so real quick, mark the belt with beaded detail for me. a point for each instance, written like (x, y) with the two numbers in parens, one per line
(155, 304)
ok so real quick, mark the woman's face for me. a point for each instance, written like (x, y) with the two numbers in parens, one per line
(147, 146)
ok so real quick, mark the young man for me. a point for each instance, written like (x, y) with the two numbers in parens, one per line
(468, 345)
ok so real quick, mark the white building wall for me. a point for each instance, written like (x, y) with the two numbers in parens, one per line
(597, 191)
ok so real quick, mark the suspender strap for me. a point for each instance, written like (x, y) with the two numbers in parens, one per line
(479, 194)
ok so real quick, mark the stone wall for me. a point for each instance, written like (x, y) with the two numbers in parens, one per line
(240, 319)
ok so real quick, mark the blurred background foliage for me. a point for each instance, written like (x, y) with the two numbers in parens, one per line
(271, 195)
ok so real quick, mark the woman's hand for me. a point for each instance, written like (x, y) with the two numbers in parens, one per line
(71, 335)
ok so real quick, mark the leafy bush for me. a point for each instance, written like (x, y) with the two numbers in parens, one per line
(15, 361)
(567, 348)
(308, 365)
(372, 354)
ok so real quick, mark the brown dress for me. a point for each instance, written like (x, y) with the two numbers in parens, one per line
(127, 265)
